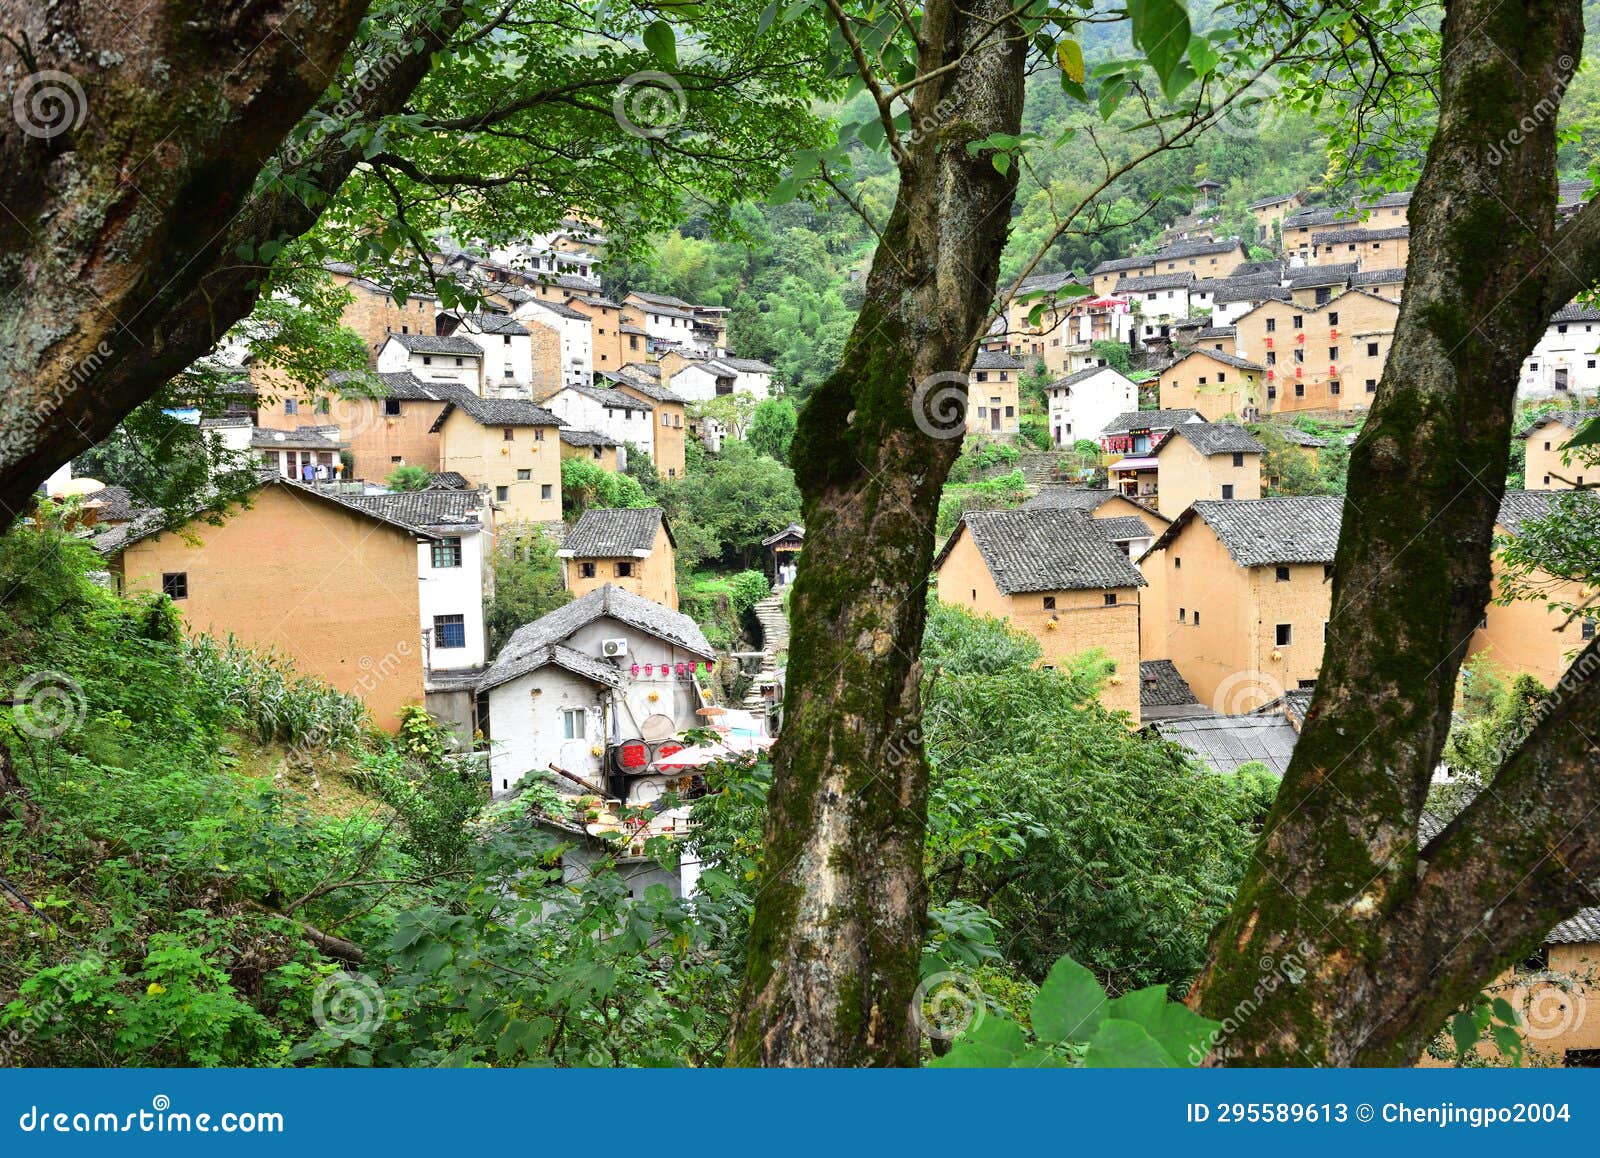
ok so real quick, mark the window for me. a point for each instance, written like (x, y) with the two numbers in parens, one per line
(1111, 598)
(1284, 634)
(1197, 617)
(1183, 615)
(547, 490)
(1334, 387)
(426, 360)
(572, 723)
(1272, 391)
(391, 406)
(1299, 356)
(175, 584)
(538, 434)
(447, 552)
(1372, 349)
(1588, 629)
(290, 406)
(1238, 458)
(1333, 317)
(1298, 321)
(1011, 411)
(586, 570)
(1372, 385)
(983, 375)
(1333, 353)
(1272, 325)
(461, 362)
(508, 434)
(1536, 962)
(1222, 376)
(1299, 389)
(501, 494)
(1227, 490)
(1272, 357)
(1324, 293)
(1283, 574)
(624, 569)
(398, 459)
(508, 372)
(449, 631)
(1177, 563)
(1049, 602)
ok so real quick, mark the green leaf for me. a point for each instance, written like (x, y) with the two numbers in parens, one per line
(1509, 1041)
(1464, 1029)
(1202, 55)
(1505, 1011)
(1124, 1045)
(1588, 435)
(1001, 162)
(993, 1043)
(1070, 1004)
(1184, 1034)
(1161, 30)
(1069, 55)
(662, 43)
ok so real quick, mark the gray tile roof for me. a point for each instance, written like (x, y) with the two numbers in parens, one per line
(603, 533)
(606, 396)
(449, 480)
(1293, 434)
(1517, 507)
(312, 437)
(1117, 264)
(660, 299)
(1571, 419)
(994, 360)
(1045, 550)
(1216, 332)
(1162, 686)
(586, 438)
(521, 652)
(1265, 202)
(1149, 420)
(1083, 376)
(1583, 928)
(644, 385)
(1225, 358)
(1084, 499)
(1261, 532)
(1249, 291)
(1163, 281)
(1187, 249)
(402, 384)
(435, 344)
(1214, 438)
(116, 505)
(588, 666)
(1378, 277)
(1119, 528)
(750, 365)
(492, 411)
(494, 324)
(426, 508)
(1336, 236)
(560, 309)
(1314, 275)
(1575, 313)
(1226, 742)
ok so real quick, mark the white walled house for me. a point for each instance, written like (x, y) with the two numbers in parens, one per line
(668, 319)
(507, 349)
(577, 336)
(751, 375)
(1565, 360)
(434, 358)
(1083, 404)
(610, 412)
(556, 697)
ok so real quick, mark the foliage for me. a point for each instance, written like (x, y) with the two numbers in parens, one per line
(1288, 468)
(1115, 355)
(1074, 1023)
(772, 428)
(528, 583)
(981, 457)
(585, 483)
(1494, 715)
(408, 478)
(726, 504)
(1000, 492)
(267, 694)
(1548, 555)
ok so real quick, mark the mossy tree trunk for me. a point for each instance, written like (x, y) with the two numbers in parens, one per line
(1348, 944)
(838, 926)
(135, 219)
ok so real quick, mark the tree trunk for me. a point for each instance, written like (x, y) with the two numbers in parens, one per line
(1347, 944)
(134, 141)
(839, 920)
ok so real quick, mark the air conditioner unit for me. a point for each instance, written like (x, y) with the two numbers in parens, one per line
(613, 647)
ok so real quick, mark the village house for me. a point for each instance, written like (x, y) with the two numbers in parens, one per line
(1056, 576)
(328, 583)
(1075, 326)
(1204, 258)
(396, 429)
(1546, 466)
(374, 314)
(992, 394)
(669, 321)
(1215, 383)
(1327, 357)
(1315, 285)
(1239, 596)
(617, 415)
(508, 445)
(1105, 276)
(577, 338)
(1367, 248)
(642, 381)
(1527, 635)
(608, 344)
(1206, 460)
(583, 687)
(1235, 297)
(1100, 503)
(1026, 338)
(1202, 334)
(1269, 213)
(1300, 227)
(1082, 404)
(1386, 283)
(455, 360)
(1565, 360)
(628, 548)
(1162, 299)
(507, 346)
(1129, 443)
(590, 446)
(306, 453)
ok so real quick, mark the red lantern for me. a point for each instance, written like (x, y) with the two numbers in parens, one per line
(648, 668)
(634, 671)
(708, 665)
(680, 667)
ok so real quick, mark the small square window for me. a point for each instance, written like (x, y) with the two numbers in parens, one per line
(586, 570)
(1333, 317)
(624, 569)
(547, 491)
(508, 434)
(572, 723)
(524, 474)
(1238, 458)
(447, 553)
(391, 406)
(175, 584)
(1283, 574)
(1049, 602)
(1227, 490)
(449, 631)
(1283, 634)
(501, 494)
(1111, 598)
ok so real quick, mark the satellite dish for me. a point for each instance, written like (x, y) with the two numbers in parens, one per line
(657, 727)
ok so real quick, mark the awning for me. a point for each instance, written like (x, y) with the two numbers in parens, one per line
(1133, 464)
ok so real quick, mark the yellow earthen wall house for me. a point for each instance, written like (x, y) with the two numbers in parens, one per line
(631, 549)
(1217, 384)
(1327, 357)
(332, 588)
(1066, 620)
(1544, 468)
(1206, 460)
(669, 422)
(1368, 248)
(374, 314)
(511, 447)
(605, 327)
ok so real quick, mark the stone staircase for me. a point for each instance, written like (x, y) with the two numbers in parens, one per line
(774, 638)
